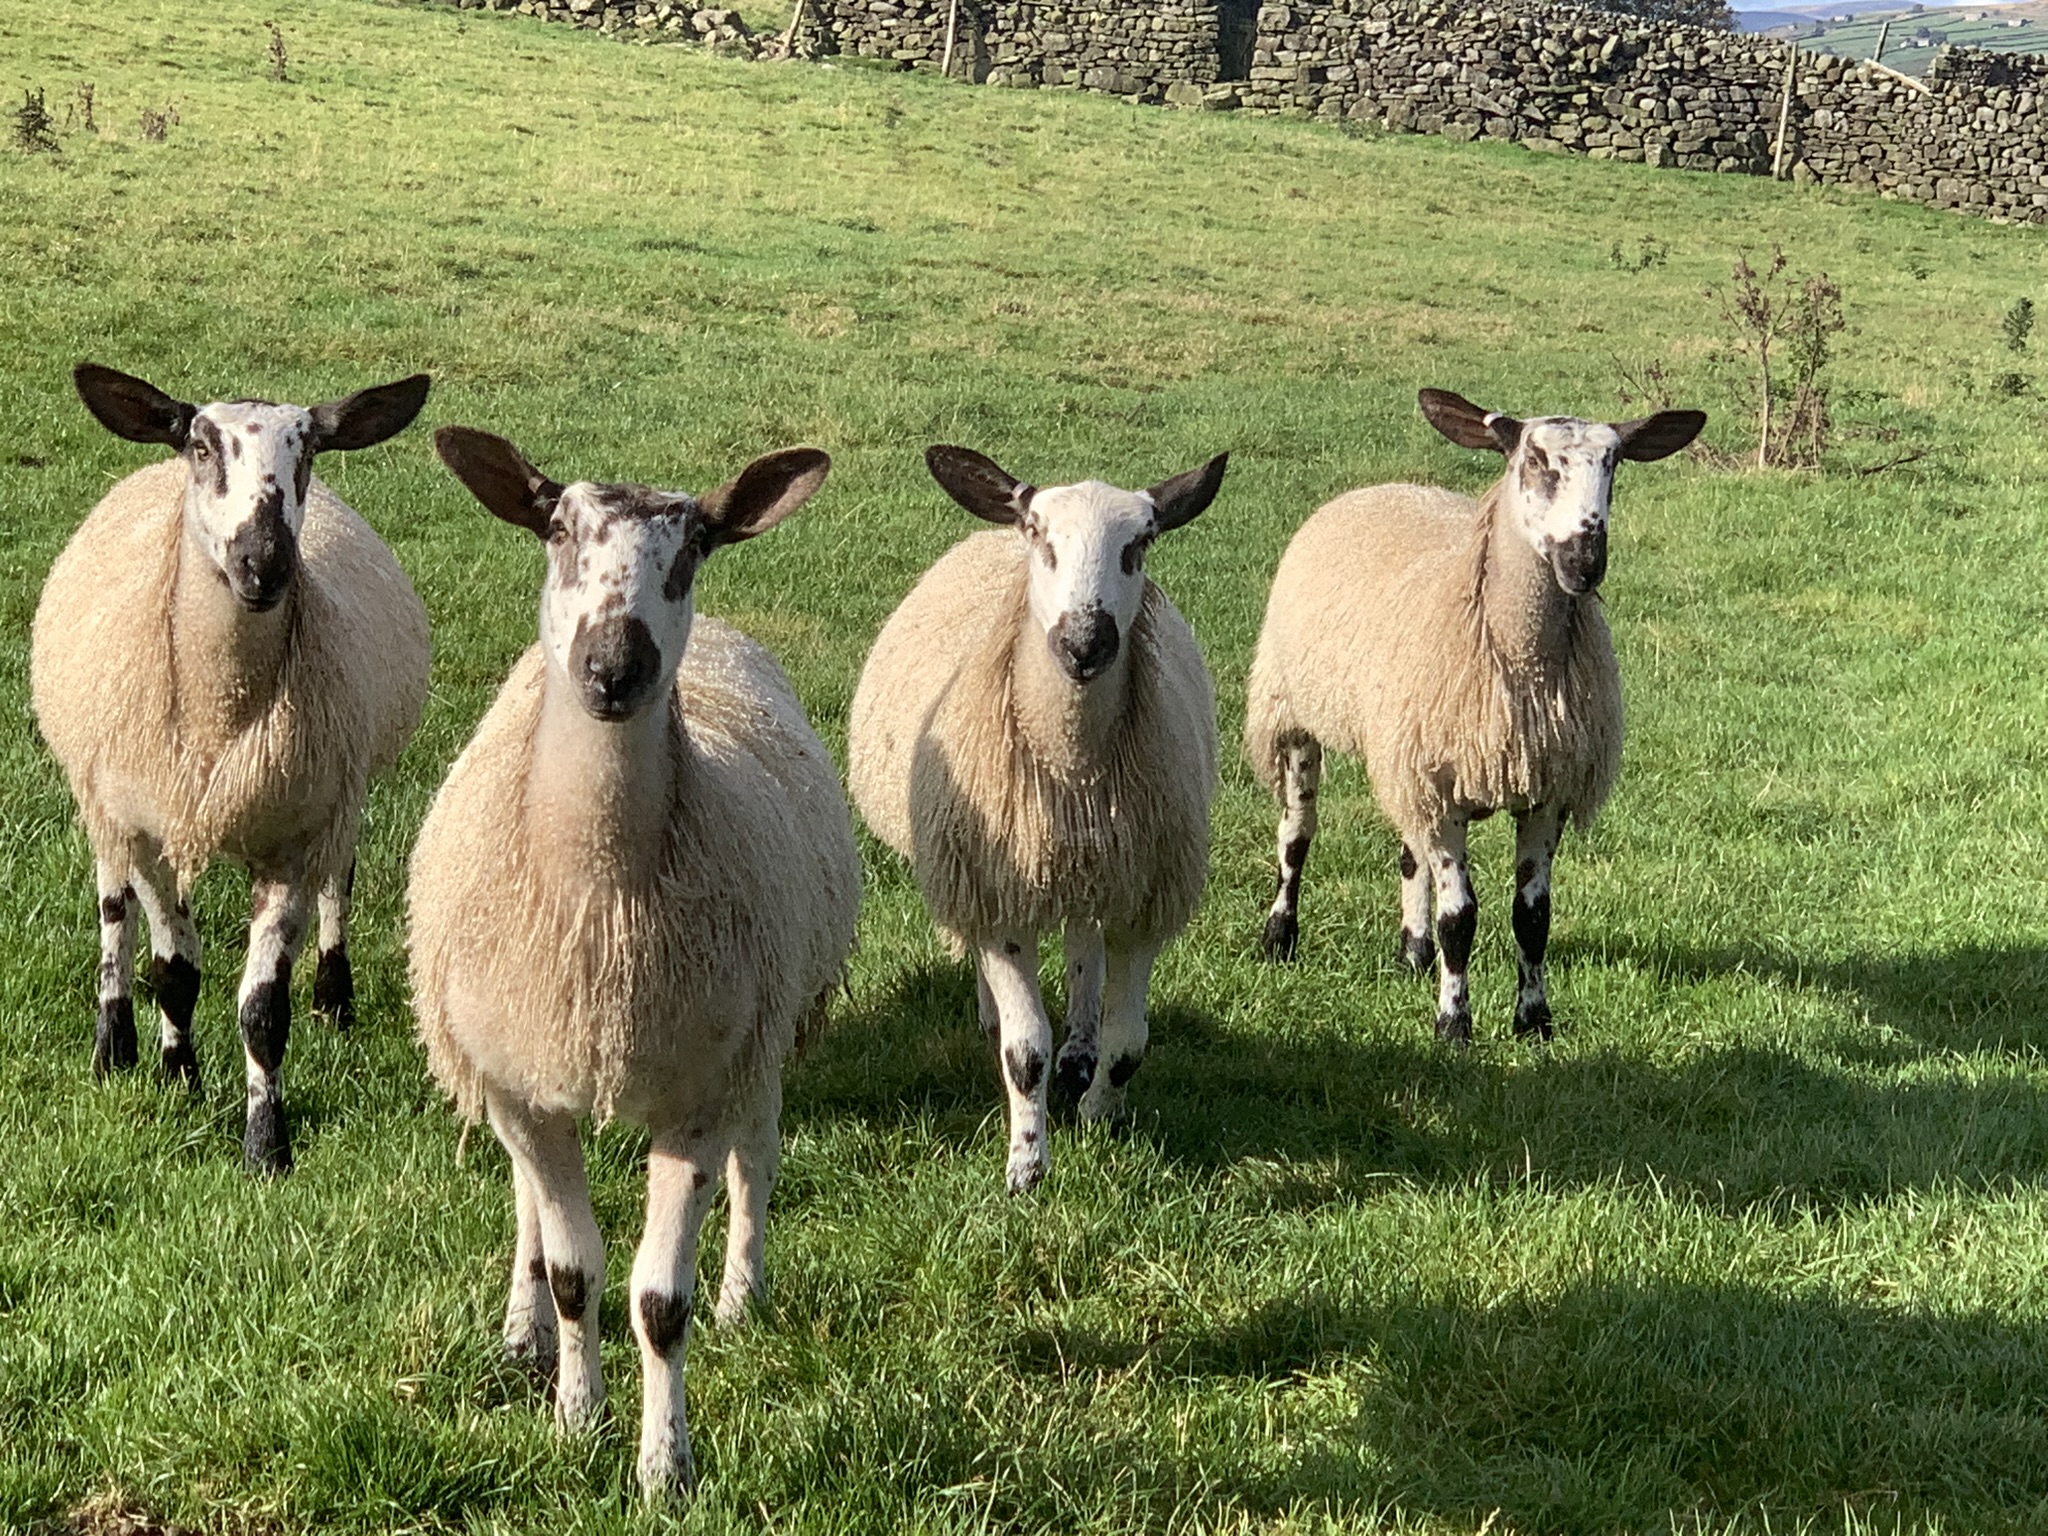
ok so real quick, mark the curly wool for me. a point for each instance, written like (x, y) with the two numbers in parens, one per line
(651, 1000)
(1008, 823)
(154, 741)
(1384, 639)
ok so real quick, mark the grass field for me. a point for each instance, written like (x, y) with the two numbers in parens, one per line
(1759, 1245)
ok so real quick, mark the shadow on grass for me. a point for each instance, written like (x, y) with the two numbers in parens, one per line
(1334, 1115)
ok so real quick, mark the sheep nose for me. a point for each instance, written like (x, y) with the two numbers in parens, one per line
(617, 665)
(260, 560)
(1581, 563)
(1086, 644)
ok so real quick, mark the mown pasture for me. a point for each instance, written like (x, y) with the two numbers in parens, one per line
(1759, 1245)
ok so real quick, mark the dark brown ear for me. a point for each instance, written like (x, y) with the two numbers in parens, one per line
(978, 483)
(1659, 436)
(132, 408)
(762, 494)
(1468, 425)
(498, 475)
(1185, 497)
(369, 415)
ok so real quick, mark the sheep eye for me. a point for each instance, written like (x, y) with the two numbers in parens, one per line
(1134, 553)
(199, 452)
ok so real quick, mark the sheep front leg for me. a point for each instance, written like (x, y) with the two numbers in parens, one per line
(1074, 1072)
(334, 979)
(173, 963)
(1536, 835)
(530, 1307)
(682, 1179)
(278, 909)
(1127, 977)
(1301, 775)
(751, 1169)
(113, 1035)
(1457, 921)
(1418, 949)
(549, 1161)
(1009, 963)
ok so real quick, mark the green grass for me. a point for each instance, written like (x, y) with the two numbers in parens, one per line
(1758, 1246)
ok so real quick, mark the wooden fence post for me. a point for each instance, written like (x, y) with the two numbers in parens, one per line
(952, 27)
(1784, 113)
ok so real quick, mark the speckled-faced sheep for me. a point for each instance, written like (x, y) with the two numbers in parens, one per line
(637, 885)
(1036, 733)
(1460, 648)
(223, 657)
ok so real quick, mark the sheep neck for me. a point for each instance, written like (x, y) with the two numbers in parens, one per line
(1529, 618)
(1068, 726)
(598, 792)
(227, 662)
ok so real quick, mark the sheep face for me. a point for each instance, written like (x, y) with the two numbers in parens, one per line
(248, 465)
(1086, 578)
(616, 608)
(1560, 473)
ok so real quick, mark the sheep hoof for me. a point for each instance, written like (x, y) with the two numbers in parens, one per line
(113, 1037)
(334, 987)
(179, 1065)
(1454, 1029)
(532, 1346)
(1417, 951)
(266, 1149)
(1533, 1024)
(668, 1474)
(1026, 1170)
(1071, 1076)
(1282, 936)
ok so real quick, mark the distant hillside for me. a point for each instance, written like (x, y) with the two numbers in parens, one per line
(1913, 34)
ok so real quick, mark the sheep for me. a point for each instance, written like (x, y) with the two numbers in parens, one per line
(222, 658)
(633, 894)
(1460, 648)
(1035, 731)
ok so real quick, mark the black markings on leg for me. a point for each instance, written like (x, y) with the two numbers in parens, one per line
(1532, 939)
(1071, 1075)
(664, 1320)
(267, 1022)
(1026, 1068)
(266, 1147)
(1455, 931)
(114, 909)
(113, 1037)
(1417, 951)
(175, 982)
(571, 1288)
(1409, 867)
(334, 986)
(1123, 1069)
(266, 1029)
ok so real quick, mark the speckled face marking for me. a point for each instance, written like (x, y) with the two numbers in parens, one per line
(1087, 542)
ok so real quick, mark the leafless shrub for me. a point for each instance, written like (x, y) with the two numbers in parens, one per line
(34, 132)
(78, 112)
(279, 63)
(157, 124)
(1780, 320)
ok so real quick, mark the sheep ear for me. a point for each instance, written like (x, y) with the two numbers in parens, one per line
(762, 494)
(498, 475)
(1659, 436)
(978, 483)
(132, 408)
(1185, 497)
(1468, 425)
(370, 415)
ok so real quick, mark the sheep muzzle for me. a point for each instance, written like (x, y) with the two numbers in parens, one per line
(616, 666)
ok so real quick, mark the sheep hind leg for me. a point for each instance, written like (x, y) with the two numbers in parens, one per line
(1536, 835)
(1457, 921)
(1009, 964)
(279, 906)
(173, 962)
(530, 1308)
(1074, 1072)
(682, 1180)
(1417, 949)
(1301, 776)
(549, 1159)
(1128, 976)
(751, 1169)
(334, 979)
(113, 1036)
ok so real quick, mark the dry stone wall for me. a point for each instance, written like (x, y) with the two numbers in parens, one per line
(716, 27)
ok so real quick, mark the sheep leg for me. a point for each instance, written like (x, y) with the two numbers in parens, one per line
(1075, 1069)
(530, 1308)
(334, 980)
(1418, 949)
(682, 1180)
(550, 1160)
(750, 1179)
(1127, 976)
(1009, 962)
(278, 910)
(1536, 835)
(1457, 921)
(113, 1035)
(173, 962)
(1301, 775)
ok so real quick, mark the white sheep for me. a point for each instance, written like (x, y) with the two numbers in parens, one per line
(1460, 648)
(1035, 732)
(636, 888)
(222, 658)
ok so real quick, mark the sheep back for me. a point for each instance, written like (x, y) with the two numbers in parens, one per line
(1375, 643)
(139, 753)
(997, 838)
(651, 1002)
